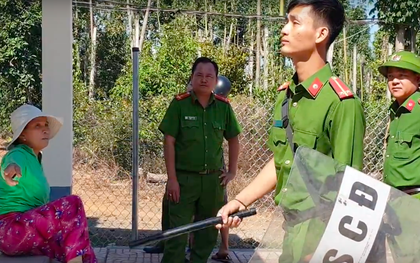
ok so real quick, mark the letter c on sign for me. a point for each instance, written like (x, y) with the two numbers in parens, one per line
(361, 226)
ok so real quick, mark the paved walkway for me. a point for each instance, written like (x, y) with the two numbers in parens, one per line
(126, 255)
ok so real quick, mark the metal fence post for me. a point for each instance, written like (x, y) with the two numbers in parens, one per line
(135, 143)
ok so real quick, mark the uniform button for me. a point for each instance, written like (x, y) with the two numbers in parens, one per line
(287, 162)
(315, 86)
(205, 137)
(392, 136)
(387, 156)
(396, 118)
(205, 123)
(205, 164)
(284, 190)
(294, 104)
(207, 151)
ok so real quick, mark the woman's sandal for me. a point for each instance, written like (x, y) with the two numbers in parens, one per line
(221, 258)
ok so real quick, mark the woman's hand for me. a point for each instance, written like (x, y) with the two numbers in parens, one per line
(10, 173)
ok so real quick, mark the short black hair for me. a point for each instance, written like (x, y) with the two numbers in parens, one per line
(331, 11)
(204, 60)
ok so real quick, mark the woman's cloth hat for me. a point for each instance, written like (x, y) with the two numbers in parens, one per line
(24, 114)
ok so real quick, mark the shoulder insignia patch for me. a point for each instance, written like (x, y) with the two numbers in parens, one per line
(222, 98)
(410, 105)
(340, 88)
(315, 87)
(284, 86)
(182, 96)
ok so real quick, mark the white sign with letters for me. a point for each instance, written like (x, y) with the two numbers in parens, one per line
(355, 220)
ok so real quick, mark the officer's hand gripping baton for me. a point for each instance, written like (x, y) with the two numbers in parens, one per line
(189, 228)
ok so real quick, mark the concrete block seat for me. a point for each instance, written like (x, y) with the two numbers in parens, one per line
(25, 259)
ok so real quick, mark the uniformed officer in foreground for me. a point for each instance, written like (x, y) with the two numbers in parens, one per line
(316, 109)
(402, 157)
(194, 127)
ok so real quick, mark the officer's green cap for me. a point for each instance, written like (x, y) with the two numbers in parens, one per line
(403, 60)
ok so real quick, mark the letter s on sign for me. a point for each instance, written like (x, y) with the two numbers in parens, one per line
(333, 253)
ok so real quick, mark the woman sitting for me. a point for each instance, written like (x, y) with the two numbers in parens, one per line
(29, 223)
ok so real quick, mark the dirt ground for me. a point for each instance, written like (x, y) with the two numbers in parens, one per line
(108, 205)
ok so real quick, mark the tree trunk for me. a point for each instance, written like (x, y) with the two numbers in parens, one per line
(413, 40)
(330, 54)
(76, 45)
(251, 58)
(281, 7)
(158, 16)
(362, 69)
(144, 26)
(92, 54)
(399, 40)
(136, 34)
(205, 20)
(355, 69)
(210, 25)
(257, 53)
(130, 22)
(266, 59)
(388, 93)
(224, 33)
(232, 26)
(345, 54)
(229, 38)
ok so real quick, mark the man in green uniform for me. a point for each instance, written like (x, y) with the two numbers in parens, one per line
(194, 127)
(316, 110)
(402, 157)
(223, 89)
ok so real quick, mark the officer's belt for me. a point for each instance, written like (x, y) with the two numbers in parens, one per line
(410, 190)
(208, 171)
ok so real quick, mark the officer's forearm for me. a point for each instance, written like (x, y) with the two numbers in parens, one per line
(263, 184)
(233, 154)
(169, 153)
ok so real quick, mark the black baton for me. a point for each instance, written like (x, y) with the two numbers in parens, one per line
(212, 221)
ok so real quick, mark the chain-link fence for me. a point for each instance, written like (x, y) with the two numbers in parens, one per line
(106, 188)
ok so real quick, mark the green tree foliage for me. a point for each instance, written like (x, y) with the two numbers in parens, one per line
(395, 12)
(20, 56)
(398, 15)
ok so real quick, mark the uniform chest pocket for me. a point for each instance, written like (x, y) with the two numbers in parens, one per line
(190, 129)
(304, 138)
(278, 136)
(218, 129)
(404, 144)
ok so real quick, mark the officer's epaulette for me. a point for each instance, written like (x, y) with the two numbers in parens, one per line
(182, 96)
(222, 98)
(340, 88)
(284, 86)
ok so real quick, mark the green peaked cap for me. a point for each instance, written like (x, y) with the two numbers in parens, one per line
(402, 59)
